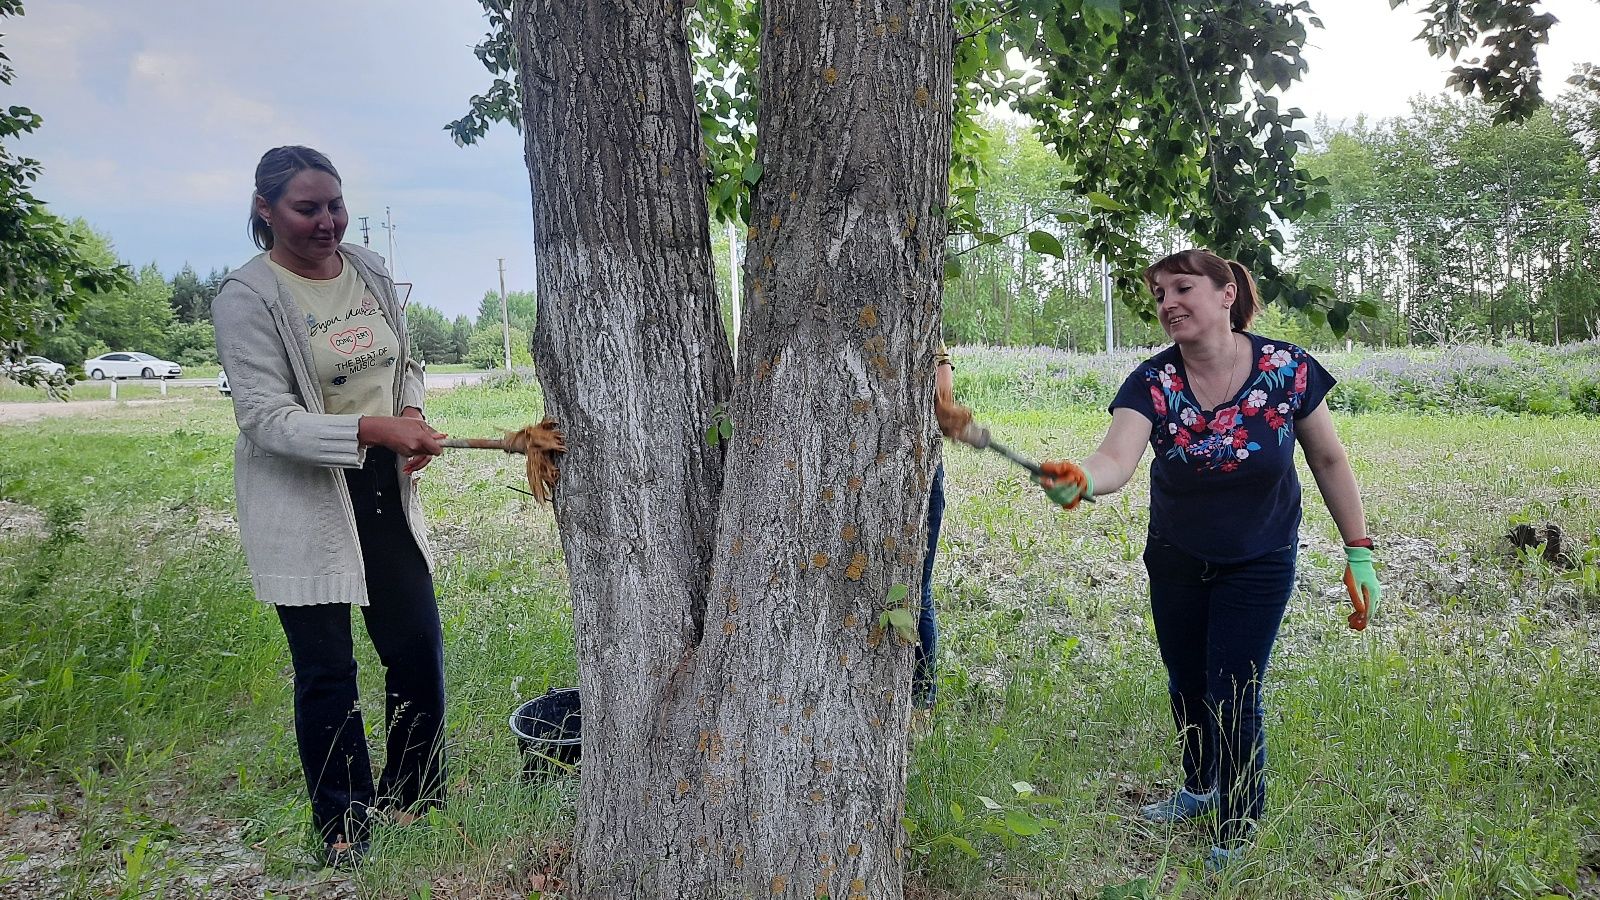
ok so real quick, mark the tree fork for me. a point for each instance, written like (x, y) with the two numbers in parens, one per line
(746, 713)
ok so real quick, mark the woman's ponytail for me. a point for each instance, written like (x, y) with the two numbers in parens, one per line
(1246, 301)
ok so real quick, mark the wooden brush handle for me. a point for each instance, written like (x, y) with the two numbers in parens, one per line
(474, 443)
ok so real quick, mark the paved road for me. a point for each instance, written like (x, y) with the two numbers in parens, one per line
(434, 380)
(16, 413)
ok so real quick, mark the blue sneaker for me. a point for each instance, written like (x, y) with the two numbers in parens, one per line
(1182, 806)
(1220, 857)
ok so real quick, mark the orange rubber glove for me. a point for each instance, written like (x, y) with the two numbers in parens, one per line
(1361, 580)
(1065, 482)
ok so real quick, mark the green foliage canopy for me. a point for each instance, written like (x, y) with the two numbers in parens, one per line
(431, 340)
(486, 348)
(1447, 225)
(44, 272)
(522, 307)
(1163, 108)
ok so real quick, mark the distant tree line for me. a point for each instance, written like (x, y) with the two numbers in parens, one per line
(478, 341)
(1443, 226)
(148, 313)
(1449, 227)
(171, 318)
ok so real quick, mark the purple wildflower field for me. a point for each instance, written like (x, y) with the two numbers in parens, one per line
(1510, 377)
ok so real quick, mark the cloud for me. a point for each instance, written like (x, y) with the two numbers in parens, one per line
(60, 46)
(179, 86)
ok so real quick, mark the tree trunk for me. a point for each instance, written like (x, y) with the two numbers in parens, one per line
(632, 358)
(744, 713)
(833, 452)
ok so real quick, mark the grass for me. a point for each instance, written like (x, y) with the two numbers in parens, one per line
(1452, 751)
(452, 368)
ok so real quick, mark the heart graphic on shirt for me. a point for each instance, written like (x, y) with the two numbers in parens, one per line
(351, 340)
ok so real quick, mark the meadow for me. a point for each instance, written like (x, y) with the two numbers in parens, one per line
(1452, 750)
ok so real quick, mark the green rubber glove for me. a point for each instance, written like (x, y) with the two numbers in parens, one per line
(1361, 580)
(1065, 483)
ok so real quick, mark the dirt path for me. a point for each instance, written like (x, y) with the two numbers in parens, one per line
(17, 413)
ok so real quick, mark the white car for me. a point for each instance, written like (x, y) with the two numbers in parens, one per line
(222, 385)
(38, 365)
(130, 365)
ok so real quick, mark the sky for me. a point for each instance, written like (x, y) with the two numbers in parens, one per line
(156, 112)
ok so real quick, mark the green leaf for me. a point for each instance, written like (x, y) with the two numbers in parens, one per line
(712, 434)
(952, 268)
(959, 843)
(1024, 824)
(1053, 38)
(1046, 243)
(752, 173)
(956, 812)
(1103, 13)
(725, 428)
(989, 804)
(1339, 320)
(1102, 201)
(904, 624)
(897, 593)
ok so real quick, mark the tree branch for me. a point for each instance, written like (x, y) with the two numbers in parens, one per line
(987, 25)
(1194, 91)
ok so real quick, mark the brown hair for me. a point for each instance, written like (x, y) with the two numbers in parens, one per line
(277, 167)
(1246, 301)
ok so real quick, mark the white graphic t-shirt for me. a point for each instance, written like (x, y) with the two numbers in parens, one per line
(352, 344)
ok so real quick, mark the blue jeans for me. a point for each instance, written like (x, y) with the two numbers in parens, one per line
(925, 681)
(1216, 625)
(403, 622)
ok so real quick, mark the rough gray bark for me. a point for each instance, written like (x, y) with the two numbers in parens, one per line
(834, 448)
(744, 714)
(632, 359)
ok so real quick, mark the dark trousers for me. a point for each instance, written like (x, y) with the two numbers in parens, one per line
(925, 681)
(402, 620)
(1216, 625)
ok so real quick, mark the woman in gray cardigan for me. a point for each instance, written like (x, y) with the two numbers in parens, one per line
(329, 405)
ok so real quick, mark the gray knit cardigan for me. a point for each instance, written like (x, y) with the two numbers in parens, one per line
(295, 518)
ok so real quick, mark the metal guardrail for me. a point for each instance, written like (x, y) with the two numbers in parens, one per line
(162, 383)
(440, 380)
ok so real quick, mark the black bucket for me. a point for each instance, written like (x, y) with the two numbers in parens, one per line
(549, 731)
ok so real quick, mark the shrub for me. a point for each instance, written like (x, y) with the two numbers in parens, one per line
(486, 348)
(1358, 395)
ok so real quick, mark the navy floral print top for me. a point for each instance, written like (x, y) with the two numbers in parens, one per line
(1223, 485)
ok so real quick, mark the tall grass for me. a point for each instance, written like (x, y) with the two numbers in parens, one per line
(1512, 377)
(1451, 751)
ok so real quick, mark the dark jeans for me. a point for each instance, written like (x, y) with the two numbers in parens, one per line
(403, 623)
(925, 681)
(1216, 625)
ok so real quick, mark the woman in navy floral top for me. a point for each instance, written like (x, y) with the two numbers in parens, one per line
(1222, 409)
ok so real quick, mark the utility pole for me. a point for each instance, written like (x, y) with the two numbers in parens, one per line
(736, 299)
(505, 318)
(388, 225)
(1105, 290)
(366, 241)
